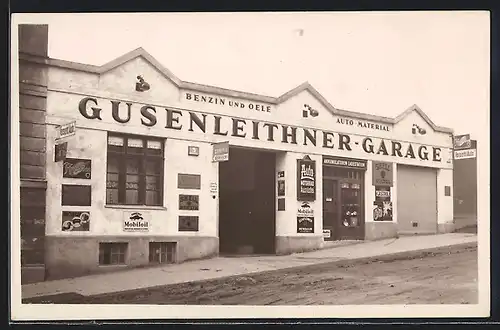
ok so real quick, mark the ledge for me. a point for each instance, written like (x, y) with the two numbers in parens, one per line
(33, 183)
(134, 207)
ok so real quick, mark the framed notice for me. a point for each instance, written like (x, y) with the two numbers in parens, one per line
(188, 223)
(77, 168)
(382, 193)
(189, 202)
(305, 219)
(75, 221)
(281, 188)
(76, 195)
(306, 180)
(188, 181)
(382, 174)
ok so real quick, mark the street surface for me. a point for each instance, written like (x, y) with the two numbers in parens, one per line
(444, 276)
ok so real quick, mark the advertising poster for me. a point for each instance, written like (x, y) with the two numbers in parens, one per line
(135, 221)
(382, 174)
(77, 168)
(281, 188)
(306, 180)
(382, 211)
(305, 219)
(75, 221)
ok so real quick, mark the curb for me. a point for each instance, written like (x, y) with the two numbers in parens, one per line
(391, 257)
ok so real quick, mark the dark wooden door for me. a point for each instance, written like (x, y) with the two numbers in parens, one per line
(351, 217)
(331, 208)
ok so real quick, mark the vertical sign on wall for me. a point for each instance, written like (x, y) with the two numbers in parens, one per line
(305, 219)
(306, 179)
(382, 174)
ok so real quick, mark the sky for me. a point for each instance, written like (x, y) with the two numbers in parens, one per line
(372, 62)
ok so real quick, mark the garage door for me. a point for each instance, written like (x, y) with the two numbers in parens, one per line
(417, 200)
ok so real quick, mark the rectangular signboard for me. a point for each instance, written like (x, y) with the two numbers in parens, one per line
(306, 180)
(462, 142)
(221, 152)
(77, 168)
(464, 154)
(382, 174)
(134, 221)
(67, 130)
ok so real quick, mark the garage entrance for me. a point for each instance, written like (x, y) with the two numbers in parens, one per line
(417, 200)
(247, 216)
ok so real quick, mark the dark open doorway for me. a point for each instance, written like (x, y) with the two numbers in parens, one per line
(247, 213)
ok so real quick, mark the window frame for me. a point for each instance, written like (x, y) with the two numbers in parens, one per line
(170, 251)
(122, 156)
(111, 246)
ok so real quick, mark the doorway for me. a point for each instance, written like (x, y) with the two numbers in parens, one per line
(343, 204)
(247, 216)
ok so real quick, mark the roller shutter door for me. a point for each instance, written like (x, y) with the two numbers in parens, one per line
(417, 200)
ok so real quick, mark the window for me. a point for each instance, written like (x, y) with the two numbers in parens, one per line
(161, 252)
(135, 171)
(112, 253)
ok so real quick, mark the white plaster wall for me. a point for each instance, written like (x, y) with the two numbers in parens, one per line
(445, 203)
(122, 80)
(74, 80)
(108, 220)
(286, 221)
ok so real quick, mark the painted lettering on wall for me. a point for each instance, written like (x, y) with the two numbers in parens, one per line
(226, 102)
(195, 122)
(362, 124)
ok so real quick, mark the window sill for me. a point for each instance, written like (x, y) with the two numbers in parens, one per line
(113, 266)
(134, 207)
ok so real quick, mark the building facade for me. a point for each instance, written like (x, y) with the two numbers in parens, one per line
(33, 41)
(159, 170)
(465, 181)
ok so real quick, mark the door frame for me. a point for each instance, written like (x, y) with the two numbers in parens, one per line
(336, 226)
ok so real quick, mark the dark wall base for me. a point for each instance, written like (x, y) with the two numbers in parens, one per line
(78, 256)
(32, 274)
(380, 230)
(294, 244)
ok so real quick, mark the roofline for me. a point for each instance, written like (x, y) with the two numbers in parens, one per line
(305, 86)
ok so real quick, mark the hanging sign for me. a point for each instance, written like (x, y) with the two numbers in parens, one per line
(67, 130)
(382, 174)
(135, 221)
(462, 142)
(305, 219)
(306, 180)
(464, 154)
(61, 150)
(220, 152)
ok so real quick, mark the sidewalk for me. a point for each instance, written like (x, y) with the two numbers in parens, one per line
(227, 266)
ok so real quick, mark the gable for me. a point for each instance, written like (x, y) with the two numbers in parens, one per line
(122, 80)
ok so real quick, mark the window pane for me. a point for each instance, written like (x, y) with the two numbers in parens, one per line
(115, 141)
(112, 196)
(153, 167)
(132, 165)
(135, 146)
(152, 183)
(154, 145)
(113, 164)
(113, 177)
(132, 196)
(152, 198)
